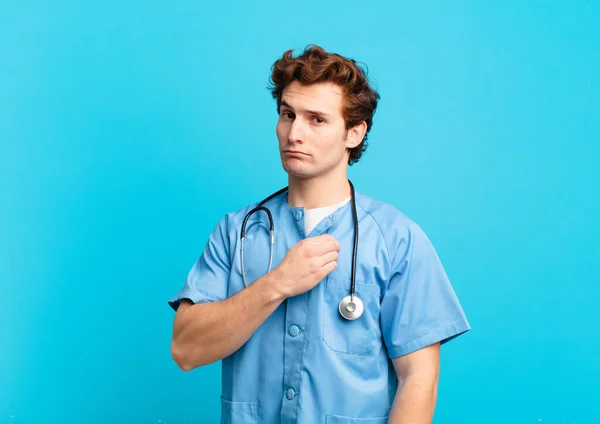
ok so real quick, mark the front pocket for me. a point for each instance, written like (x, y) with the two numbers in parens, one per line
(238, 412)
(338, 419)
(360, 336)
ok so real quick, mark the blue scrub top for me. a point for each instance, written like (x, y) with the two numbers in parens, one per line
(305, 363)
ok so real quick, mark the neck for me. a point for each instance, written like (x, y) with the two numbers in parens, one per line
(318, 192)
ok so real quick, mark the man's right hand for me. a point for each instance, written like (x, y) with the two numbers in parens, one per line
(305, 265)
(210, 331)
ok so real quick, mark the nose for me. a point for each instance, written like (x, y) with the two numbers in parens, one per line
(296, 133)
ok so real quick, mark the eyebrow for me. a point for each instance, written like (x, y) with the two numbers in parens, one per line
(311, 112)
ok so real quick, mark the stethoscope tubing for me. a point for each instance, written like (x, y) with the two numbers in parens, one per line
(345, 302)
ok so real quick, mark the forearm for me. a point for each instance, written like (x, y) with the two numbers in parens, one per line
(414, 402)
(207, 332)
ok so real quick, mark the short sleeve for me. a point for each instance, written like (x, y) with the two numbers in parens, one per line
(420, 306)
(207, 280)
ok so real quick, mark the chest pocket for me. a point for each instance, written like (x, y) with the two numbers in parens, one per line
(360, 336)
(238, 412)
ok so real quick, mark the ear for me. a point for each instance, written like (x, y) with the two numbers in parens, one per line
(355, 135)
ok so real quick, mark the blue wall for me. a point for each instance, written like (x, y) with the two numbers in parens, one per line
(125, 132)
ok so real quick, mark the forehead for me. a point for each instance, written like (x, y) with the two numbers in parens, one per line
(324, 96)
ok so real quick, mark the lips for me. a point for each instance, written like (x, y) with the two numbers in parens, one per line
(295, 152)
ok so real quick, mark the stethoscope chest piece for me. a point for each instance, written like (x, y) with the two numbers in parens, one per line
(351, 307)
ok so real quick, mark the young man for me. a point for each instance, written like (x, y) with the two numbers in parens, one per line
(322, 337)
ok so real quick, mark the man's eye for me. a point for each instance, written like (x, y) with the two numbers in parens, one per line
(288, 115)
(319, 120)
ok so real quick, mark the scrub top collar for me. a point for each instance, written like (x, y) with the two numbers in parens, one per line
(325, 224)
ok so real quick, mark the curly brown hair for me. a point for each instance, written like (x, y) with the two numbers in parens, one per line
(315, 65)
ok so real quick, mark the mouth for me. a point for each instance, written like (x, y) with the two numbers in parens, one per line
(295, 153)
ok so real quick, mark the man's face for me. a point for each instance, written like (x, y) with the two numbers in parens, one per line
(312, 133)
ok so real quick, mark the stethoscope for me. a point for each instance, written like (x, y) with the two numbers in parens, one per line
(350, 307)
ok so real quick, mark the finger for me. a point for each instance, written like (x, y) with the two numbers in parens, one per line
(328, 242)
(323, 249)
(319, 245)
(332, 244)
(328, 268)
(327, 258)
(329, 238)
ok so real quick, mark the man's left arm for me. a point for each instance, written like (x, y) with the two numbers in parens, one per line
(418, 374)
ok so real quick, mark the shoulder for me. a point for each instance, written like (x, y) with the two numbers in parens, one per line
(384, 214)
(396, 228)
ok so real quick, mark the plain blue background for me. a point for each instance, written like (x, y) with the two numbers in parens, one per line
(128, 128)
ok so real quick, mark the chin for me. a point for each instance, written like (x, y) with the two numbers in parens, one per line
(300, 171)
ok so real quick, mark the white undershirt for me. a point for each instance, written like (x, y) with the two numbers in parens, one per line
(312, 217)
